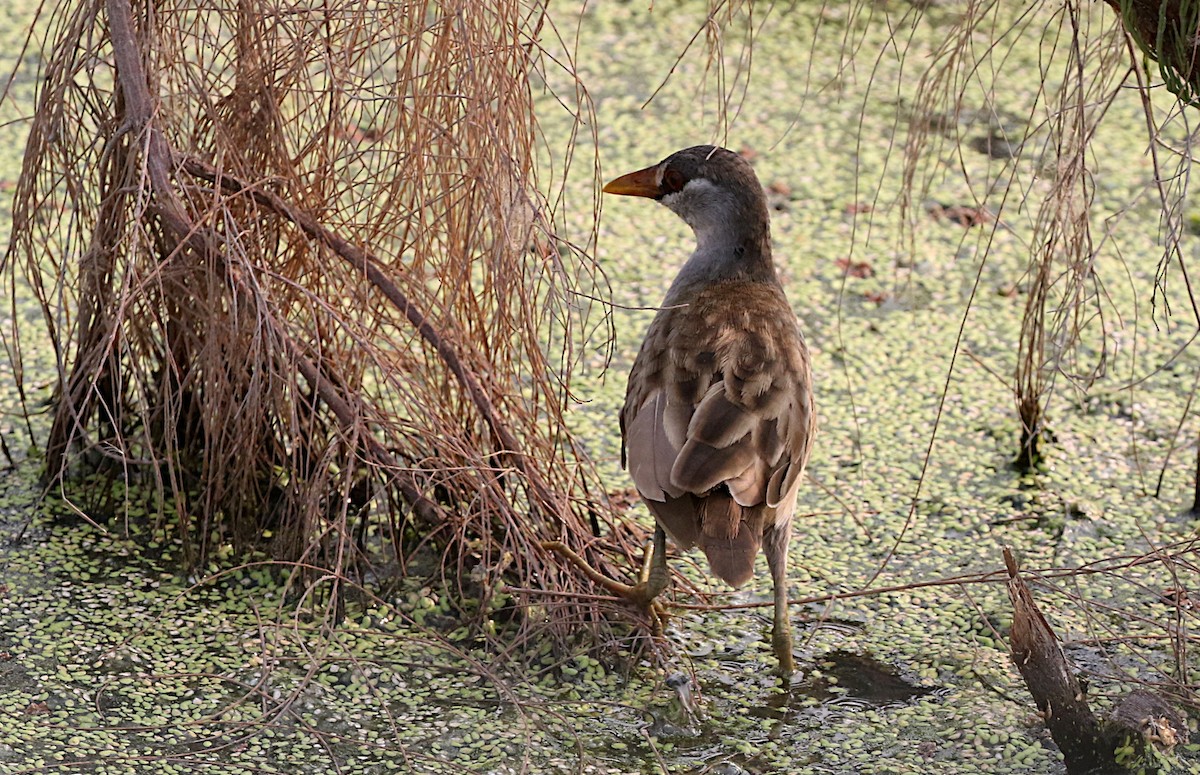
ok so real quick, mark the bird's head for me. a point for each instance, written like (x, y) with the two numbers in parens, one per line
(704, 185)
(715, 191)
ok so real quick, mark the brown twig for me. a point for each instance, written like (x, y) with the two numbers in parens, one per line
(139, 111)
(428, 512)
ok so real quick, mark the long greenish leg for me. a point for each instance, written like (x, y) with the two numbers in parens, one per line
(778, 539)
(655, 576)
(653, 579)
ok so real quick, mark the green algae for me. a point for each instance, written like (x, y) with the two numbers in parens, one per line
(117, 663)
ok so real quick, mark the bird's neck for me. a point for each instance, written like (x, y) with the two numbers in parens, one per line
(725, 253)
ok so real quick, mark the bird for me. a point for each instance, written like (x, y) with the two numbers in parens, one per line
(719, 414)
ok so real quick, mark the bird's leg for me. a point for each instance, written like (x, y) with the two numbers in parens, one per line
(652, 580)
(654, 577)
(781, 631)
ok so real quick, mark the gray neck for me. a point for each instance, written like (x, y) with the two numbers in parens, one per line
(733, 236)
(724, 251)
(706, 265)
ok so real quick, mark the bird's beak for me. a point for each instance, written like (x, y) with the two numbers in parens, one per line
(640, 183)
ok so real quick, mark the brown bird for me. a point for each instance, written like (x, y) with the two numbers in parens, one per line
(719, 418)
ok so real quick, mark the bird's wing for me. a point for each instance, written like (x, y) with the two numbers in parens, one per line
(721, 394)
(650, 453)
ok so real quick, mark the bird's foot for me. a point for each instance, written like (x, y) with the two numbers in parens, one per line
(643, 594)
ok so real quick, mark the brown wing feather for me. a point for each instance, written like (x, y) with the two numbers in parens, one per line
(718, 421)
(701, 467)
(653, 452)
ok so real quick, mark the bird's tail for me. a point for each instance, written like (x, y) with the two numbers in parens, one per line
(730, 536)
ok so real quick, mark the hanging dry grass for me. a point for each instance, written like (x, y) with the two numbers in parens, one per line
(1086, 66)
(1064, 293)
(298, 274)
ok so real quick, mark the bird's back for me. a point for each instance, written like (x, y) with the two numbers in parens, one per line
(719, 418)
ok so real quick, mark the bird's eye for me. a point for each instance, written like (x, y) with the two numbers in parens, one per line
(672, 181)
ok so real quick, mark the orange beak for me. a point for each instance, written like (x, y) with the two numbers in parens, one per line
(640, 183)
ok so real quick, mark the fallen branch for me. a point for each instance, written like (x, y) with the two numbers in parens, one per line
(1089, 745)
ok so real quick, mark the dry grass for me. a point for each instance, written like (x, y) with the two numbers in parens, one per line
(300, 277)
